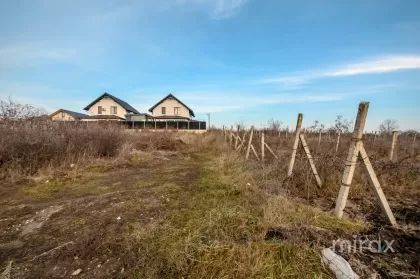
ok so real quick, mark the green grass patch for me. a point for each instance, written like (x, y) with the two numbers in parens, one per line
(43, 190)
(215, 231)
(281, 211)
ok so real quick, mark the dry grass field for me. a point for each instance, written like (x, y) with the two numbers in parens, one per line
(104, 203)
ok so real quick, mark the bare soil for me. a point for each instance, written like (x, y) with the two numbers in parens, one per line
(81, 224)
(81, 221)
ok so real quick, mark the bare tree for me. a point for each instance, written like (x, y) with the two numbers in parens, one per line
(316, 127)
(388, 125)
(274, 125)
(342, 124)
(11, 110)
(239, 125)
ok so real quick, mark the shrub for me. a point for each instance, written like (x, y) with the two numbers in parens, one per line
(27, 146)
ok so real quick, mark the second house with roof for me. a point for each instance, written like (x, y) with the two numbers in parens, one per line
(110, 108)
(171, 108)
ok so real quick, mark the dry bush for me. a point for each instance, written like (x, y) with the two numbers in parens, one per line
(27, 146)
(169, 141)
(399, 178)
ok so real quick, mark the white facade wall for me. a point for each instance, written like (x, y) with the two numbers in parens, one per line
(106, 103)
(170, 104)
(62, 116)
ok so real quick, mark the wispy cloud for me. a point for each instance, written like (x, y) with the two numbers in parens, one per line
(227, 8)
(217, 9)
(24, 54)
(373, 66)
(228, 101)
(35, 54)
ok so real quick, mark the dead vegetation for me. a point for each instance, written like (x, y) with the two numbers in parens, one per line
(174, 205)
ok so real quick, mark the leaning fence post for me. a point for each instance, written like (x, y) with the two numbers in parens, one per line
(310, 159)
(378, 190)
(394, 142)
(249, 142)
(271, 151)
(351, 159)
(262, 146)
(295, 144)
(338, 141)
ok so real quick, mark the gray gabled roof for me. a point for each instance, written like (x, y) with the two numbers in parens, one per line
(76, 115)
(172, 96)
(122, 103)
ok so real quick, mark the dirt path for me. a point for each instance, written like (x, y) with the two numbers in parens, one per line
(53, 229)
(182, 215)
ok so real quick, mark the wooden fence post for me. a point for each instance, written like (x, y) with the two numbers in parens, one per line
(271, 151)
(242, 141)
(255, 152)
(338, 141)
(378, 190)
(249, 143)
(356, 148)
(351, 159)
(319, 138)
(394, 142)
(310, 159)
(237, 137)
(262, 146)
(295, 144)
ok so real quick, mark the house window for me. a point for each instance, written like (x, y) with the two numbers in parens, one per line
(113, 110)
(99, 110)
(163, 110)
(177, 111)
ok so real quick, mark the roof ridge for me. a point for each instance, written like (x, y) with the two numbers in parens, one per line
(173, 96)
(122, 103)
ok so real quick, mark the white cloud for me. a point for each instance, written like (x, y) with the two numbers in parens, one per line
(384, 65)
(227, 8)
(373, 66)
(211, 101)
(26, 54)
(217, 9)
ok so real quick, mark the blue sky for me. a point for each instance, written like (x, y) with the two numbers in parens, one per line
(240, 60)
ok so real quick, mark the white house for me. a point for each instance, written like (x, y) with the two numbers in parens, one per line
(171, 108)
(108, 107)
